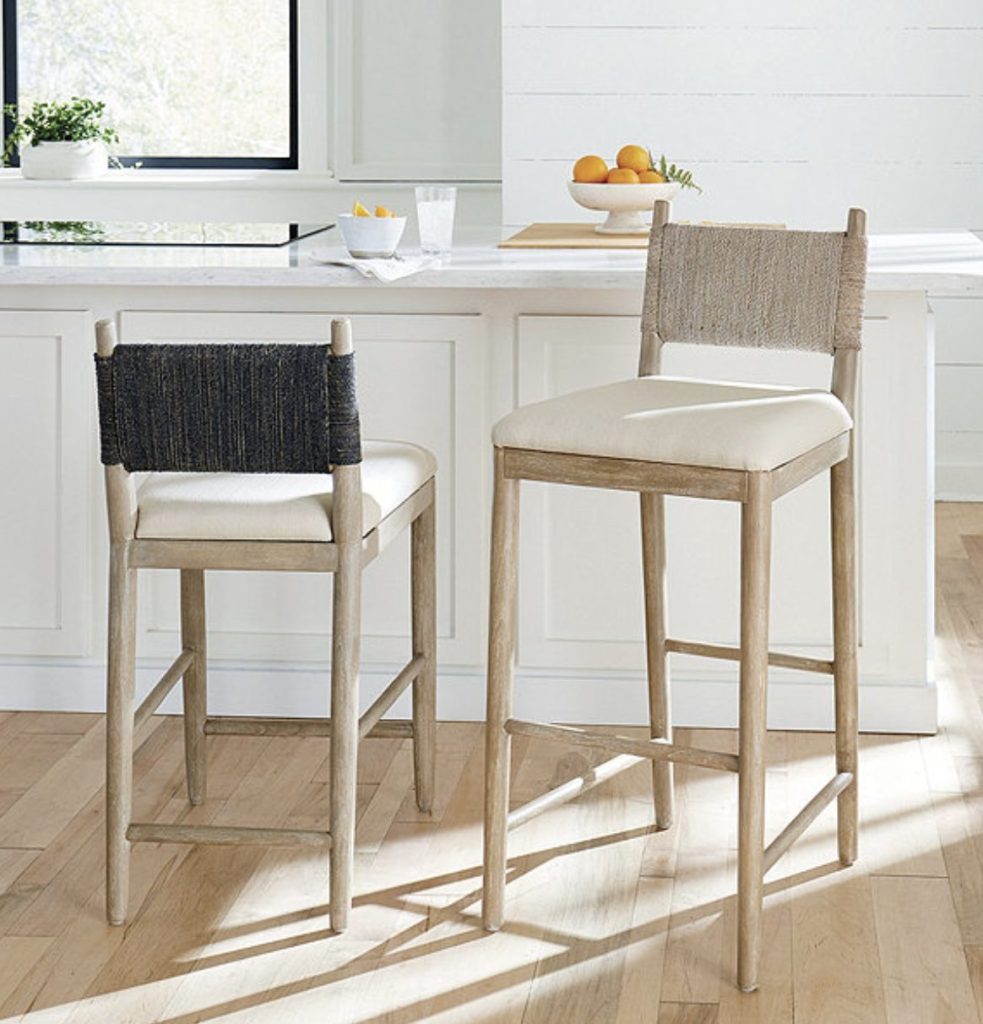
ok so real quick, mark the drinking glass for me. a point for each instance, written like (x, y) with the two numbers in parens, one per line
(435, 217)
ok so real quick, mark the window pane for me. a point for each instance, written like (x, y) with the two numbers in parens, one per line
(179, 77)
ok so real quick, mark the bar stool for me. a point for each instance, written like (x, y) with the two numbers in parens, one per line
(255, 462)
(735, 442)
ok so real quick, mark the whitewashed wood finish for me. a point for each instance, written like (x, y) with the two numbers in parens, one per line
(47, 492)
(445, 356)
(761, 100)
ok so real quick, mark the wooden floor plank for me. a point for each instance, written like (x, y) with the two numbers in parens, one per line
(926, 980)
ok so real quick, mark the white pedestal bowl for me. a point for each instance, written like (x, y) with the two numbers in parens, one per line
(629, 207)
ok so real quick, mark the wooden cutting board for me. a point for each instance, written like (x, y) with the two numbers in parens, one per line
(583, 236)
(570, 236)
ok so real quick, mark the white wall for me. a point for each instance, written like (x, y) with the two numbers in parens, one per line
(786, 112)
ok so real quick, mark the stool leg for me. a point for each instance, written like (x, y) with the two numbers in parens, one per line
(119, 731)
(843, 520)
(423, 571)
(345, 641)
(501, 650)
(654, 574)
(755, 587)
(193, 638)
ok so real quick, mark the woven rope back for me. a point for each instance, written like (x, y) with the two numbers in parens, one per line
(237, 408)
(756, 288)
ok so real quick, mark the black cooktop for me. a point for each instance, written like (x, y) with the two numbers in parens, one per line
(91, 232)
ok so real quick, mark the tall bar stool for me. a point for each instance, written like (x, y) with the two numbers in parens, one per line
(733, 442)
(256, 463)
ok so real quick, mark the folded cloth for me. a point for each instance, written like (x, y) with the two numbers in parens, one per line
(385, 270)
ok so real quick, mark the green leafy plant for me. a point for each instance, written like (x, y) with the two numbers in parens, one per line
(78, 120)
(78, 231)
(673, 173)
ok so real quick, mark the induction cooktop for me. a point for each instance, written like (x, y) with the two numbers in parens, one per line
(90, 232)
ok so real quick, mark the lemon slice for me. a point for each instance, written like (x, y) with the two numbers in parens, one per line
(359, 210)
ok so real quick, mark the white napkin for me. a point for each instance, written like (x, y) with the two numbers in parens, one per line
(381, 269)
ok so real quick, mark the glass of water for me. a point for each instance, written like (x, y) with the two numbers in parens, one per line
(435, 217)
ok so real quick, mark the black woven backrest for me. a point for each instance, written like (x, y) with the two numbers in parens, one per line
(240, 408)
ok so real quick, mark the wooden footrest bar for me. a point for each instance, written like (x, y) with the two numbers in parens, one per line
(148, 832)
(180, 665)
(734, 654)
(230, 725)
(389, 695)
(656, 750)
(781, 843)
(571, 789)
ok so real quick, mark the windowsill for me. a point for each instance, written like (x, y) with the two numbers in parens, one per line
(201, 178)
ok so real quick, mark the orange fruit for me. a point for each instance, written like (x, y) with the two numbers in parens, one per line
(651, 178)
(590, 168)
(384, 211)
(634, 157)
(622, 176)
(359, 210)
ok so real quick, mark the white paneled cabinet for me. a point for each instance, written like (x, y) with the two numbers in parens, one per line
(45, 495)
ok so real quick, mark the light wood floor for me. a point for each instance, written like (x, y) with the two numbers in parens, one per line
(608, 921)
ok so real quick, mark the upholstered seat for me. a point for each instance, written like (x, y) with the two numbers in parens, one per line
(276, 506)
(680, 420)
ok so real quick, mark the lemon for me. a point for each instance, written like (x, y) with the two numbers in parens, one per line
(384, 211)
(359, 210)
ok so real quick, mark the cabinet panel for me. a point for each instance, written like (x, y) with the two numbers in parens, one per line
(46, 385)
(581, 587)
(420, 379)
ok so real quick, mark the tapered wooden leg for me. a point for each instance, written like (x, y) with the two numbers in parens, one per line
(344, 729)
(424, 590)
(501, 650)
(755, 592)
(654, 574)
(119, 731)
(843, 517)
(195, 683)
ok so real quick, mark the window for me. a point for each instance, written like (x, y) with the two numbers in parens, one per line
(187, 83)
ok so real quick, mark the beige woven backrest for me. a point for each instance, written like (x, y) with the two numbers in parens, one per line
(755, 287)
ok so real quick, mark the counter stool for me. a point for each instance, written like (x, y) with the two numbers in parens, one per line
(734, 442)
(256, 463)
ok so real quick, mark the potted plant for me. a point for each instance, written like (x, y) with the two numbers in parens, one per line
(60, 140)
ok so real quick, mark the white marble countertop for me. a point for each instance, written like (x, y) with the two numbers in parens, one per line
(950, 263)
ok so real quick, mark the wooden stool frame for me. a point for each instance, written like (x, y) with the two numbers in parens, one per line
(755, 491)
(345, 556)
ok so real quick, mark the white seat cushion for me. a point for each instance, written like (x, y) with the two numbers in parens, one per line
(275, 506)
(680, 420)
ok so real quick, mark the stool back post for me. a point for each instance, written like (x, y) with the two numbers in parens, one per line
(346, 511)
(121, 500)
(846, 363)
(650, 357)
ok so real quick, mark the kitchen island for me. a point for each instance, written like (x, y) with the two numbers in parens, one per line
(441, 355)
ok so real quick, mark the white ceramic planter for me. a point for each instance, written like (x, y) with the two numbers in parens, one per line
(65, 160)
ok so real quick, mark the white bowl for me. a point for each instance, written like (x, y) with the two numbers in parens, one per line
(629, 207)
(368, 238)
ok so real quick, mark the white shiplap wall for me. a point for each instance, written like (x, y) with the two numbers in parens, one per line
(786, 111)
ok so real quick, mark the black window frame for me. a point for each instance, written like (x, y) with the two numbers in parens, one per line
(289, 162)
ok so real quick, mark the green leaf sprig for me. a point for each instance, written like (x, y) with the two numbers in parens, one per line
(673, 173)
(78, 120)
